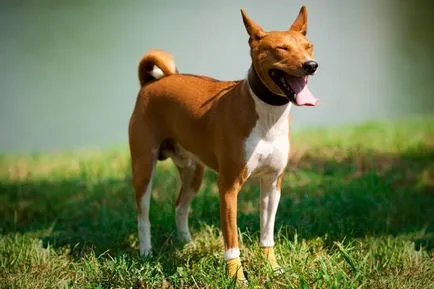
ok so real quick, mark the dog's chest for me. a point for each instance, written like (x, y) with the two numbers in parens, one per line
(267, 146)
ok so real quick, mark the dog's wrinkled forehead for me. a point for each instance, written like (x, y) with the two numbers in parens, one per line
(283, 39)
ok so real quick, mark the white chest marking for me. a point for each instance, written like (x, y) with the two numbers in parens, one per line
(267, 146)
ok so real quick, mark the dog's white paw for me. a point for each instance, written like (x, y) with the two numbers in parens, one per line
(146, 252)
(278, 271)
(184, 237)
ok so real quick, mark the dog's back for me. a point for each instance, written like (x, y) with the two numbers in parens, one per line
(183, 107)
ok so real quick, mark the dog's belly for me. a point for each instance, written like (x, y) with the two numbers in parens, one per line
(181, 156)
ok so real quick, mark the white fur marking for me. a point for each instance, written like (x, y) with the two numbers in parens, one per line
(182, 221)
(267, 146)
(156, 72)
(232, 253)
(143, 223)
(270, 196)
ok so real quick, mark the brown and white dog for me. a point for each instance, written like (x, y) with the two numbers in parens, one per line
(239, 129)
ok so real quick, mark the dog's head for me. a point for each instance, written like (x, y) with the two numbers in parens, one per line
(283, 60)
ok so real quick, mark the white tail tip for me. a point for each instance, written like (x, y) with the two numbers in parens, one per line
(157, 73)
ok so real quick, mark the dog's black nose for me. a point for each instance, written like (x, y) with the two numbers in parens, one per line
(310, 66)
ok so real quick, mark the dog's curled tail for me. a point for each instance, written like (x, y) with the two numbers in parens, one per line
(155, 64)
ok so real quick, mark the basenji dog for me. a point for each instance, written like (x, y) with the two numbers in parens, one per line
(239, 129)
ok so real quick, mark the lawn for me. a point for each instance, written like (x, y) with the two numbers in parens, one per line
(357, 211)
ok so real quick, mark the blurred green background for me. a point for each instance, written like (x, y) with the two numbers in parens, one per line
(68, 68)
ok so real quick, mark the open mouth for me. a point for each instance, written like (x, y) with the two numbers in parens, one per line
(294, 87)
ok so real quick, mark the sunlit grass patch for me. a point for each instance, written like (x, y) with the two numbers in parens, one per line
(356, 212)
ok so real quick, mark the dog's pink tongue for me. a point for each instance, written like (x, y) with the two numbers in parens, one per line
(303, 94)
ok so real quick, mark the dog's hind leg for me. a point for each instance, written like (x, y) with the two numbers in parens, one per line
(191, 173)
(142, 179)
(143, 158)
(191, 179)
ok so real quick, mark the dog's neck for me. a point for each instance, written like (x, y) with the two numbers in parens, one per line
(262, 91)
(269, 116)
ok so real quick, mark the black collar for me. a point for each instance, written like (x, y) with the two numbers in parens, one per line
(262, 92)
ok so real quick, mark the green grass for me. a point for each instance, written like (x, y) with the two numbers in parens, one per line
(357, 211)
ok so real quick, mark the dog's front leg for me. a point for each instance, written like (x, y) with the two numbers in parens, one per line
(228, 191)
(270, 196)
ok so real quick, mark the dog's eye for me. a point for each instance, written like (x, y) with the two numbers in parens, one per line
(281, 47)
(308, 46)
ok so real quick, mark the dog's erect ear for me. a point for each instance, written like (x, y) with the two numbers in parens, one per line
(300, 24)
(255, 31)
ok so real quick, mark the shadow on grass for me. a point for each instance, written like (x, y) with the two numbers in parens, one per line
(359, 194)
